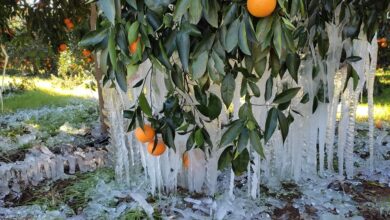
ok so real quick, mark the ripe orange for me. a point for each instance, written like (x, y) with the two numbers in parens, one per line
(186, 160)
(381, 40)
(89, 59)
(146, 135)
(261, 8)
(67, 21)
(160, 148)
(378, 124)
(384, 44)
(62, 47)
(86, 52)
(70, 26)
(133, 46)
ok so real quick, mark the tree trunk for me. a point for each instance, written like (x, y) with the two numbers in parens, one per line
(98, 73)
(4, 51)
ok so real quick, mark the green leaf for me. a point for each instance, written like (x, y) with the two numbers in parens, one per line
(243, 39)
(226, 158)
(199, 140)
(230, 14)
(168, 136)
(286, 95)
(270, 123)
(260, 66)
(268, 88)
(227, 89)
(210, 12)
(108, 8)
(132, 32)
(218, 63)
(305, 98)
(183, 45)
(254, 88)
(242, 140)
(131, 69)
(163, 56)
(154, 20)
(293, 61)
(352, 59)
(315, 104)
(94, 37)
(240, 163)
(278, 35)
(263, 28)
(180, 9)
(198, 67)
(143, 103)
(255, 140)
(132, 3)
(178, 79)
(214, 107)
(231, 133)
(195, 11)
(283, 125)
(157, 6)
(139, 83)
(112, 49)
(120, 77)
(244, 87)
(190, 141)
(231, 40)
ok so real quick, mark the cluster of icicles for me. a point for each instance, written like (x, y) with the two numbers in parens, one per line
(42, 164)
(311, 137)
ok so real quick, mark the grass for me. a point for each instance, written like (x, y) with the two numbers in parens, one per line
(381, 100)
(34, 92)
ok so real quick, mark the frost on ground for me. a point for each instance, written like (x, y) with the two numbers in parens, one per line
(51, 126)
(328, 197)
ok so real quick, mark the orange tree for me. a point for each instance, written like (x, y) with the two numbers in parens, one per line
(41, 29)
(215, 41)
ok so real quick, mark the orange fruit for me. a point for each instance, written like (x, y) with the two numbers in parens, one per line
(261, 8)
(186, 160)
(67, 21)
(378, 124)
(86, 52)
(89, 59)
(384, 44)
(381, 40)
(145, 135)
(160, 148)
(62, 47)
(70, 26)
(133, 46)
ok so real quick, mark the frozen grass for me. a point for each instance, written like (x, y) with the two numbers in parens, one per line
(72, 192)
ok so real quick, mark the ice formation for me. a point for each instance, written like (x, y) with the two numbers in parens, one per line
(311, 135)
(41, 164)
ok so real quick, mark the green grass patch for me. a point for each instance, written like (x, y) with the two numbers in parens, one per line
(72, 192)
(36, 99)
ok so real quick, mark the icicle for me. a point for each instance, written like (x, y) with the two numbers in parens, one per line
(231, 185)
(370, 75)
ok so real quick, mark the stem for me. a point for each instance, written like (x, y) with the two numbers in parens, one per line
(2, 80)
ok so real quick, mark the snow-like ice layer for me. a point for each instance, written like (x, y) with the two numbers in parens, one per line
(41, 164)
(311, 135)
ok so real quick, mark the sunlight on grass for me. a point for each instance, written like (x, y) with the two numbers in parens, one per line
(36, 92)
(381, 112)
